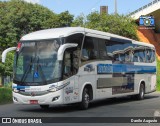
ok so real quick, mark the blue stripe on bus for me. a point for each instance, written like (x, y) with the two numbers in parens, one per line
(119, 68)
(21, 87)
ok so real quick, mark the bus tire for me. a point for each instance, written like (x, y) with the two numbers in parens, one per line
(85, 99)
(140, 96)
(44, 106)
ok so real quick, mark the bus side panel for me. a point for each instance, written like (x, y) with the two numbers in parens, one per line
(87, 75)
(149, 79)
(148, 76)
(71, 90)
(104, 73)
(153, 82)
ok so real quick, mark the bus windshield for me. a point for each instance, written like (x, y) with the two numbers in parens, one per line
(36, 62)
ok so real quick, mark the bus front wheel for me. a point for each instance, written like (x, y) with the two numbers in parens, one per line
(85, 99)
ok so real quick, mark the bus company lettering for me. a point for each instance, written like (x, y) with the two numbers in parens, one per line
(104, 68)
(33, 89)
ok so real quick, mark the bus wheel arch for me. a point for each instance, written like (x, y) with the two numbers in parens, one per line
(90, 89)
(86, 96)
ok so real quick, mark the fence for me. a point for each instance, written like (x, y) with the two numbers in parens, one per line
(5, 80)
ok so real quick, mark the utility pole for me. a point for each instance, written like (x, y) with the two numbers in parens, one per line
(115, 5)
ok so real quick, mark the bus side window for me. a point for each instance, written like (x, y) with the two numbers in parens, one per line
(153, 58)
(67, 64)
(129, 56)
(75, 38)
(116, 51)
(102, 49)
(75, 60)
(89, 51)
(149, 55)
(142, 56)
(71, 62)
(136, 57)
(111, 48)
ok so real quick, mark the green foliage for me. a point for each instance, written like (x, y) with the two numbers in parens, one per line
(5, 95)
(116, 24)
(7, 68)
(79, 21)
(18, 18)
(158, 75)
(65, 19)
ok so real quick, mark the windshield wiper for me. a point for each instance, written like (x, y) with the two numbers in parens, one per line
(27, 70)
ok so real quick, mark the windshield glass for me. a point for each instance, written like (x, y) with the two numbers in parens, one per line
(36, 62)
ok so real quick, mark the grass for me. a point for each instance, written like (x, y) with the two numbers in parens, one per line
(5, 95)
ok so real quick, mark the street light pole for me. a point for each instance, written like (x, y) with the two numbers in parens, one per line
(115, 5)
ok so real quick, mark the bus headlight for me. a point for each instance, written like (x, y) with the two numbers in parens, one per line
(53, 89)
(15, 90)
(56, 88)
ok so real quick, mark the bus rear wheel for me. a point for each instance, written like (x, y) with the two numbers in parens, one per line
(85, 99)
(44, 106)
(140, 96)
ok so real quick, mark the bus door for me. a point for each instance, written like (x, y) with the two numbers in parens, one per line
(70, 69)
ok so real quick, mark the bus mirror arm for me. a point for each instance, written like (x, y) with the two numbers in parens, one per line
(4, 53)
(63, 48)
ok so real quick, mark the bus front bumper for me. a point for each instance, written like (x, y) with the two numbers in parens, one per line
(49, 98)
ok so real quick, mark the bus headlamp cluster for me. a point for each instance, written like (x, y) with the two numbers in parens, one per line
(53, 89)
(15, 90)
(56, 88)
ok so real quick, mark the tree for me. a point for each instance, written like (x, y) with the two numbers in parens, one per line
(79, 21)
(6, 69)
(18, 18)
(65, 19)
(116, 24)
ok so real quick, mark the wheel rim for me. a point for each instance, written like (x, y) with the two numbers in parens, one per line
(142, 92)
(86, 98)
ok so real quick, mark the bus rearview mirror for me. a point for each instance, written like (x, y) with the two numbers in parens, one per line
(4, 53)
(63, 48)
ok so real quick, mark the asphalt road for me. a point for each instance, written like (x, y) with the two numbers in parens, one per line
(118, 107)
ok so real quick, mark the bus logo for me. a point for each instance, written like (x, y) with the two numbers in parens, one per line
(33, 94)
(89, 68)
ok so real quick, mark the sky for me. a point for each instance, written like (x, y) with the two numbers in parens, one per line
(78, 7)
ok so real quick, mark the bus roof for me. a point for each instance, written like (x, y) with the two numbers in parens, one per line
(63, 32)
(66, 31)
(142, 43)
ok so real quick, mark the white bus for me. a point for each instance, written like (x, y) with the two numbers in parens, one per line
(80, 65)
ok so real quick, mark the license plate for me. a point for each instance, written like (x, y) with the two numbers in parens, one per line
(33, 101)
